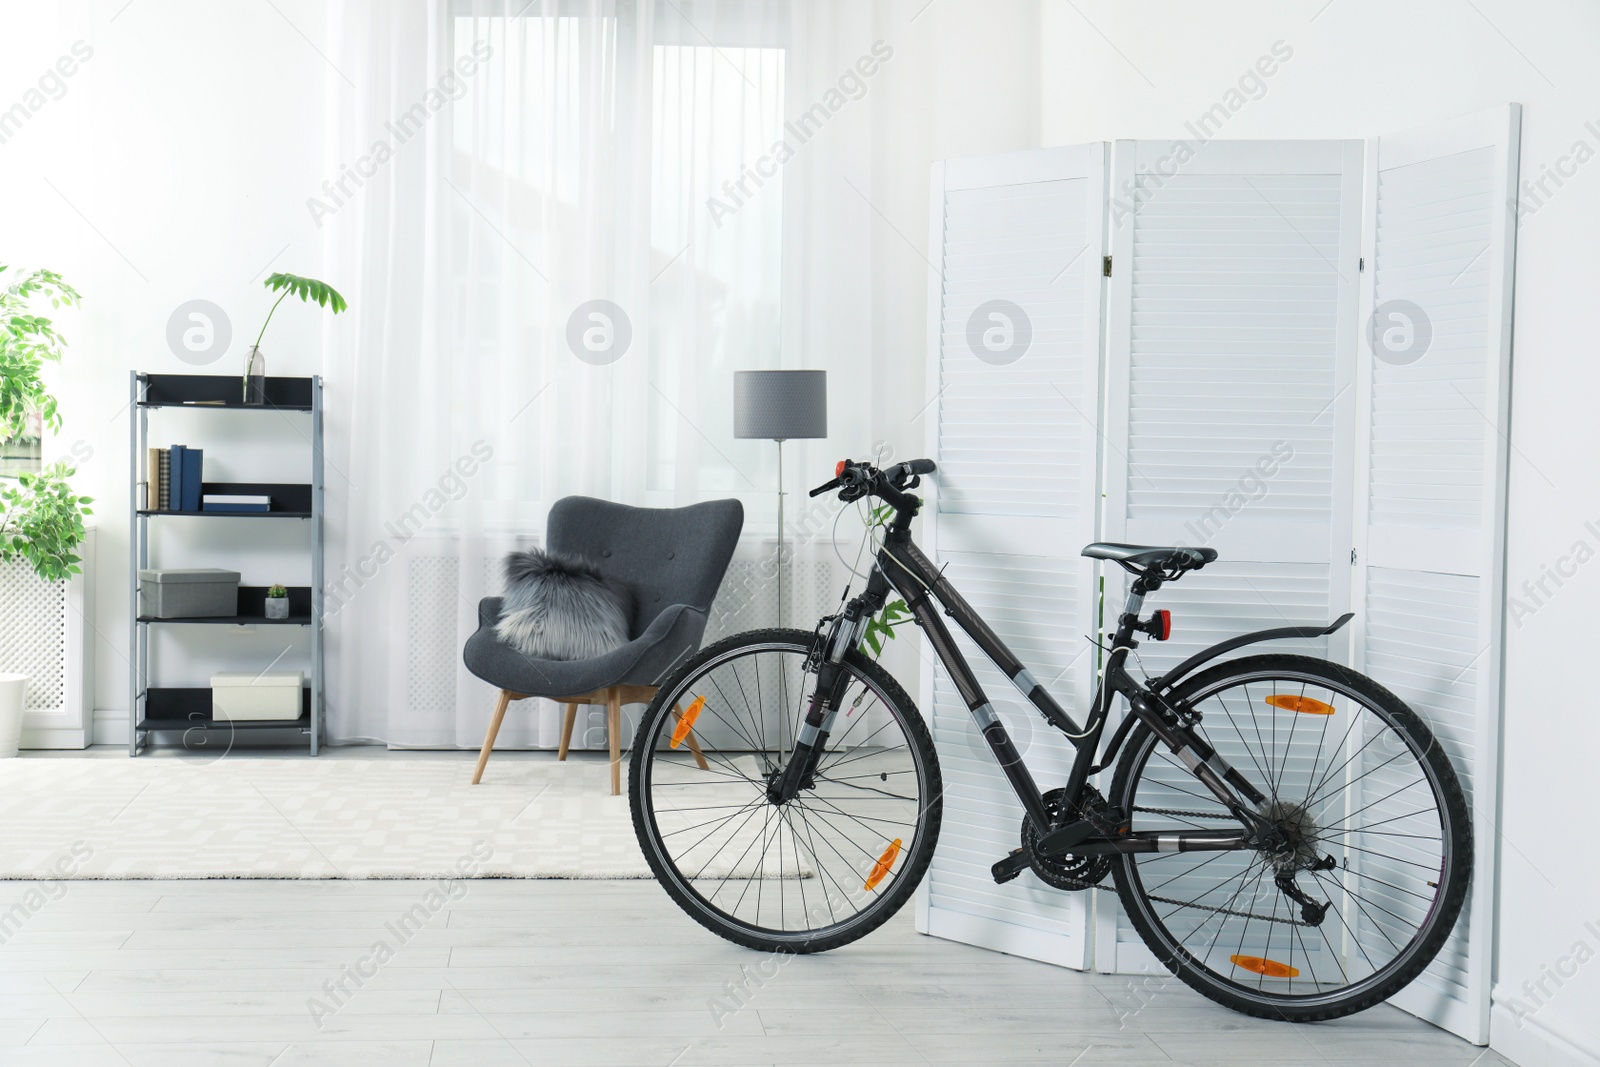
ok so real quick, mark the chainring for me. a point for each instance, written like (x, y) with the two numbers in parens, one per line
(1070, 872)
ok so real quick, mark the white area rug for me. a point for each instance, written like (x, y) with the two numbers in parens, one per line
(348, 818)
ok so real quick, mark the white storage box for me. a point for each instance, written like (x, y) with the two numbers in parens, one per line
(246, 696)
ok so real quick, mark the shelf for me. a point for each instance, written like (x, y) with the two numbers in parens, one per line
(189, 708)
(225, 514)
(252, 610)
(203, 390)
(290, 500)
(171, 711)
(212, 726)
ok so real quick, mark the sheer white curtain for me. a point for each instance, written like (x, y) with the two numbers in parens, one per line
(562, 225)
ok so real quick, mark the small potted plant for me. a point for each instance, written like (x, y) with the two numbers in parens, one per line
(255, 361)
(277, 602)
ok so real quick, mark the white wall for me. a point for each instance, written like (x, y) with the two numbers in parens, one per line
(1361, 67)
(174, 165)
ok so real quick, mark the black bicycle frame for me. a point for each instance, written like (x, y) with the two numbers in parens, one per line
(913, 575)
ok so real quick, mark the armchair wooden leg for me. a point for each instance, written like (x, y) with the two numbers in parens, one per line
(694, 746)
(488, 739)
(566, 730)
(614, 728)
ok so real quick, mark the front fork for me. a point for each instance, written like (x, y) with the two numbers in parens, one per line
(833, 683)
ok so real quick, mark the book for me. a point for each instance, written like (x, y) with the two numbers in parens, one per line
(235, 502)
(164, 480)
(192, 458)
(152, 485)
(175, 481)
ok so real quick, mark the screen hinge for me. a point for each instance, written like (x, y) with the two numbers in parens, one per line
(1105, 266)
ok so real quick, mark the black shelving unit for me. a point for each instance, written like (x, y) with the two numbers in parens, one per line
(183, 710)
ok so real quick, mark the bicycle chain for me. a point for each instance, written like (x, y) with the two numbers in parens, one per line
(1180, 813)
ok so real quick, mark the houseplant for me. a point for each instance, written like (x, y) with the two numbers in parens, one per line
(277, 602)
(41, 518)
(880, 628)
(255, 361)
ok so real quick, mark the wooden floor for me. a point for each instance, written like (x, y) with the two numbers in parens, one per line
(172, 974)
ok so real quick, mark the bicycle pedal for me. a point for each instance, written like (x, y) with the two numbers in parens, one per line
(1010, 867)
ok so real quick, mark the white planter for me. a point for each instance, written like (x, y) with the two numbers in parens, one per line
(13, 694)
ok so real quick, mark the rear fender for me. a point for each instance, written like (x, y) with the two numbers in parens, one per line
(1167, 681)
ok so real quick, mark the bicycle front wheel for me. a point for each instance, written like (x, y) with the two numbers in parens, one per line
(820, 870)
(1379, 842)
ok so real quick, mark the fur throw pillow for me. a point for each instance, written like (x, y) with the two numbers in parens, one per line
(561, 607)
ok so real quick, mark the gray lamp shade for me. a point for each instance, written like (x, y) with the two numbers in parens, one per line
(780, 405)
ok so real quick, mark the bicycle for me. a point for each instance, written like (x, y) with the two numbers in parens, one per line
(1327, 876)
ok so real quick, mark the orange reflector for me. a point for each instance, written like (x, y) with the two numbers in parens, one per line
(1270, 968)
(1303, 705)
(880, 870)
(682, 729)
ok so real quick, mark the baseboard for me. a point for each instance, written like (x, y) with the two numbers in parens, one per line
(1537, 1040)
(110, 726)
(60, 738)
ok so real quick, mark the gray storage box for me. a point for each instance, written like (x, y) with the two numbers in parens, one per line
(194, 593)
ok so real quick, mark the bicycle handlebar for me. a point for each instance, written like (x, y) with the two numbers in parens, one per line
(861, 479)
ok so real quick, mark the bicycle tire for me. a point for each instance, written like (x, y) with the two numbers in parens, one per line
(910, 869)
(1450, 893)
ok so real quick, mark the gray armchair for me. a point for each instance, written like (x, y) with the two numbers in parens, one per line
(672, 559)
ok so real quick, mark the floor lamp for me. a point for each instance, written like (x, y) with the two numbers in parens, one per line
(780, 405)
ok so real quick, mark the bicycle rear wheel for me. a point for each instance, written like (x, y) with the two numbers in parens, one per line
(818, 871)
(1380, 835)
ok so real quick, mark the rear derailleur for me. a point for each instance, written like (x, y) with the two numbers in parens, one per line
(1312, 911)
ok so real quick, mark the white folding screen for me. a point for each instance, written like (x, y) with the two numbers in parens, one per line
(1306, 364)
(1014, 345)
(1230, 413)
(1433, 392)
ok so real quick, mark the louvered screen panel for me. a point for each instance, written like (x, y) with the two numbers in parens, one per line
(1234, 299)
(1018, 242)
(1230, 411)
(1433, 226)
(1432, 393)
(1421, 642)
(1007, 443)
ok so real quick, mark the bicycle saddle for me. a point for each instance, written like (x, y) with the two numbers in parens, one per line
(1146, 556)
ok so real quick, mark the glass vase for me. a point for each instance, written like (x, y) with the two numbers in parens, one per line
(255, 376)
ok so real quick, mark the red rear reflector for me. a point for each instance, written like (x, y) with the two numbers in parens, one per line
(681, 731)
(1303, 705)
(1166, 624)
(880, 870)
(1270, 968)
(838, 470)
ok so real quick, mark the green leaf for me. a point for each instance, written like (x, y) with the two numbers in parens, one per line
(42, 522)
(307, 289)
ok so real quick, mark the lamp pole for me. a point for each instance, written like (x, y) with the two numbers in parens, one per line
(780, 531)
